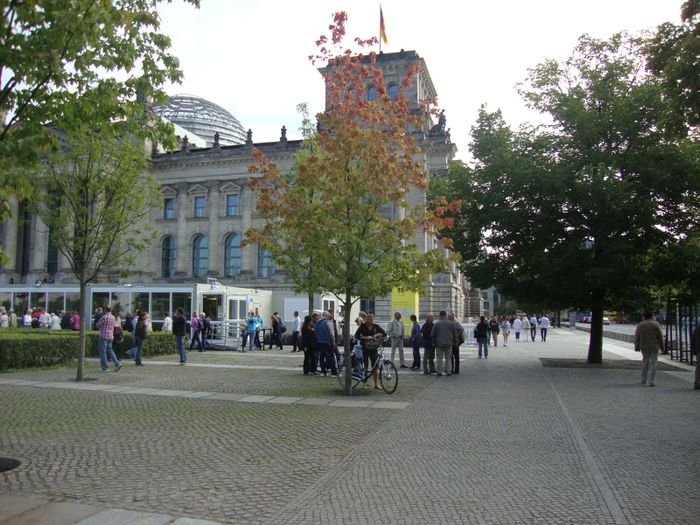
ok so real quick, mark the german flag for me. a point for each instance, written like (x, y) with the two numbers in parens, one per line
(382, 27)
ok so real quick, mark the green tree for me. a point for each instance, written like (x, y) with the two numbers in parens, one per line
(96, 203)
(53, 52)
(574, 214)
(346, 201)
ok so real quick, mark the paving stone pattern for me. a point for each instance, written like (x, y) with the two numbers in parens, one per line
(505, 442)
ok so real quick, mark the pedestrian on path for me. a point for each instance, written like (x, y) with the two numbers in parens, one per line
(307, 346)
(517, 328)
(195, 332)
(481, 334)
(371, 335)
(296, 330)
(695, 350)
(140, 333)
(494, 329)
(444, 336)
(179, 327)
(105, 325)
(459, 339)
(395, 331)
(533, 327)
(415, 342)
(249, 335)
(649, 340)
(505, 329)
(326, 344)
(429, 352)
(526, 328)
(544, 325)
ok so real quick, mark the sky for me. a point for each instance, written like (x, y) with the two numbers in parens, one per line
(251, 56)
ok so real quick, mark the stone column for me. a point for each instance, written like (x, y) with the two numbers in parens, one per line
(216, 264)
(183, 263)
(10, 241)
(248, 265)
(39, 248)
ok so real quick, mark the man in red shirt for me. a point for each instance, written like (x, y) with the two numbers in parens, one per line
(104, 341)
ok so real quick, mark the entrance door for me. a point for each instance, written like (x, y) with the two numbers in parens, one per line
(212, 305)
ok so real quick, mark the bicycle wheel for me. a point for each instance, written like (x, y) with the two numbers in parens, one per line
(389, 377)
(341, 378)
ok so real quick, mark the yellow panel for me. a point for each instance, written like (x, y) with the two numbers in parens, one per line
(406, 303)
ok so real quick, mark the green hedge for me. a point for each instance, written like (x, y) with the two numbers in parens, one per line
(26, 348)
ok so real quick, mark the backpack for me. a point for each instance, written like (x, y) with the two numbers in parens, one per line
(118, 334)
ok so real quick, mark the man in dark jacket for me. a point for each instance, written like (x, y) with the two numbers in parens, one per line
(481, 333)
(429, 355)
(444, 336)
(179, 327)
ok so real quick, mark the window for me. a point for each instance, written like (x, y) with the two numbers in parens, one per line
(51, 254)
(371, 94)
(393, 91)
(200, 205)
(232, 255)
(329, 305)
(200, 256)
(265, 265)
(386, 210)
(232, 205)
(168, 257)
(367, 305)
(169, 209)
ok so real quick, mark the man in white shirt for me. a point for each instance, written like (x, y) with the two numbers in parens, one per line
(544, 324)
(517, 327)
(296, 328)
(395, 331)
(533, 327)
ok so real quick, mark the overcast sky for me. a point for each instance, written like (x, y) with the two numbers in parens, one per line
(251, 56)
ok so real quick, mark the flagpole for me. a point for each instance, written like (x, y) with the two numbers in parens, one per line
(380, 27)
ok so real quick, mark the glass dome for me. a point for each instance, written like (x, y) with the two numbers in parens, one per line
(203, 118)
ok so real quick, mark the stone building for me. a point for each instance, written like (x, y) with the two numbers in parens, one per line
(208, 204)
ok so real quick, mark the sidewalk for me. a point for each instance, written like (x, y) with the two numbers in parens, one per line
(508, 441)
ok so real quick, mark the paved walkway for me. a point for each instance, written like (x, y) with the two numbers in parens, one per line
(507, 441)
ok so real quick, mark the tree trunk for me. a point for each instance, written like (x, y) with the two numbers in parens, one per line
(311, 303)
(81, 337)
(346, 343)
(595, 343)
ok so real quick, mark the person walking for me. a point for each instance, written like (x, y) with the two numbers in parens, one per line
(307, 346)
(494, 328)
(105, 325)
(296, 330)
(179, 327)
(526, 328)
(648, 340)
(517, 327)
(326, 343)
(395, 331)
(276, 337)
(459, 339)
(140, 333)
(505, 329)
(259, 325)
(444, 336)
(251, 324)
(429, 352)
(533, 327)
(695, 350)
(195, 331)
(544, 325)
(481, 333)
(414, 340)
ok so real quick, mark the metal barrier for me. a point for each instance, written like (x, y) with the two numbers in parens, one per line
(681, 320)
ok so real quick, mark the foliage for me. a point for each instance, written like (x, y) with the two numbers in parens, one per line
(345, 208)
(574, 214)
(22, 348)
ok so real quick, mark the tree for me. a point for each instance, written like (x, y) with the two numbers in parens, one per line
(574, 214)
(53, 53)
(96, 204)
(337, 202)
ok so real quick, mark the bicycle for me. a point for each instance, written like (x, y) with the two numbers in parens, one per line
(388, 375)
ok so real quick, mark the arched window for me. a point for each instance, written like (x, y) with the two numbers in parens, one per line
(265, 265)
(232, 255)
(200, 256)
(168, 257)
(371, 93)
(393, 91)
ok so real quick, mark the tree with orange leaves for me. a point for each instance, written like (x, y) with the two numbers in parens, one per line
(341, 220)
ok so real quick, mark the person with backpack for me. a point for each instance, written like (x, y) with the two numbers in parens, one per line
(195, 332)
(179, 327)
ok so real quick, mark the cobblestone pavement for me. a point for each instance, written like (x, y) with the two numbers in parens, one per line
(506, 441)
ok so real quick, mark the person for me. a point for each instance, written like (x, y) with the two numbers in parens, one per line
(370, 334)
(140, 333)
(505, 328)
(544, 325)
(429, 352)
(13, 319)
(179, 327)
(276, 337)
(128, 322)
(205, 330)
(307, 346)
(99, 312)
(481, 334)
(695, 350)
(326, 344)
(648, 340)
(4, 318)
(55, 322)
(259, 325)
(444, 336)
(526, 328)
(105, 325)
(517, 327)
(395, 331)
(249, 335)
(459, 339)
(533, 327)
(44, 319)
(296, 330)
(27, 319)
(494, 329)
(414, 340)
(75, 320)
(315, 317)
(194, 332)
(167, 323)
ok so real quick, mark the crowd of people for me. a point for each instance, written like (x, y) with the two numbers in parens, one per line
(39, 318)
